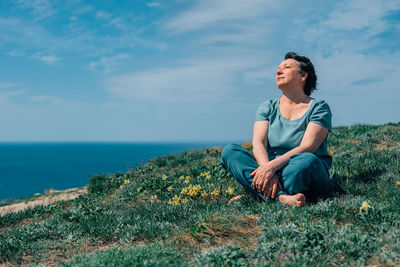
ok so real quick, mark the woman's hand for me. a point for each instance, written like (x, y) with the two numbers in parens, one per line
(270, 191)
(265, 180)
(262, 176)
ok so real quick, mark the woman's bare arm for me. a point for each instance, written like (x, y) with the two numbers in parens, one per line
(259, 142)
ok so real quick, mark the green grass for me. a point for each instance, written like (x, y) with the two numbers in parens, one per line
(127, 218)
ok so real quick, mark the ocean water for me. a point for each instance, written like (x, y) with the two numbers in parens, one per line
(29, 168)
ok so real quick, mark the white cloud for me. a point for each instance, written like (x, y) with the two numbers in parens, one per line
(341, 70)
(9, 90)
(211, 79)
(177, 85)
(359, 88)
(40, 8)
(239, 34)
(58, 102)
(103, 15)
(83, 9)
(109, 64)
(23, 38)
(350, 25)
(15, 53)
(115, 21)
(209, 12)
(49, 59)
(119, 23)
(4, 85)
(357, 15)
(16, 31)
(153, 4)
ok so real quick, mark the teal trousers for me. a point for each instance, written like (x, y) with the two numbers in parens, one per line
(305, 173)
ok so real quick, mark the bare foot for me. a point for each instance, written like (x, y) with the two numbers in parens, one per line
(298, 199)
(239, 197)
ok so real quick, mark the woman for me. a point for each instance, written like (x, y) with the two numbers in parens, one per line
(291, 160)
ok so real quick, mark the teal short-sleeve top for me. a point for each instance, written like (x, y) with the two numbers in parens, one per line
(284, 135)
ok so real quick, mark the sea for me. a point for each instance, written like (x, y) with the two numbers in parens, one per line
(30, 168)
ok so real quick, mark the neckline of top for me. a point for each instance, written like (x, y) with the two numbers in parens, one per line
(302, 116)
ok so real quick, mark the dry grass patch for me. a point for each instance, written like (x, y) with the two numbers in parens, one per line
(333, 150)
(241, 231)
(213, 150)
(208, 162)
(247, 145)
(382, 145)
(54, 196)
(58, 255)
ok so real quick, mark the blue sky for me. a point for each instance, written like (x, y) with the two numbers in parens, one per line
(186, 70)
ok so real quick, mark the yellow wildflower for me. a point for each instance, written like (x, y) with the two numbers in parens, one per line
(187, 181)
(153, 198)
(37, 194)
(164, 177)
(188, 177)
(174, 201)
(184, 201)
(208, 177)
(170, 188)
(126, 181)
(398, 184)
(181, 178)
(203, 174)
(184, 191)
(121, 187)
(215, 193)
(365, 207)
(204, 194)
(230, 191)
(301, 224)
(194, 190)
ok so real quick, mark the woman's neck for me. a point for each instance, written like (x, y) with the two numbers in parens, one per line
(295, 97)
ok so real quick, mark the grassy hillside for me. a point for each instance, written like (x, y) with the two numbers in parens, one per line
(173, 210)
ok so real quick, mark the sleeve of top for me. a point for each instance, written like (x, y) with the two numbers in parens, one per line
(264, 111)
(322, 115)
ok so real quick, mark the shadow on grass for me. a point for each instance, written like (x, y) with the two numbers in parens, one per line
(335, 189)
(338, 183)
(367, 177)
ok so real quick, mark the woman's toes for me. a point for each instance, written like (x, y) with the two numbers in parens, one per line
(301, 199)
(236, 198)
(298, 200)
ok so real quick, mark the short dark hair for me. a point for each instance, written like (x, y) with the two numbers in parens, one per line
(305, 65)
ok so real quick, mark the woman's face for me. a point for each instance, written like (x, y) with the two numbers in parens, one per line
(288, 74)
